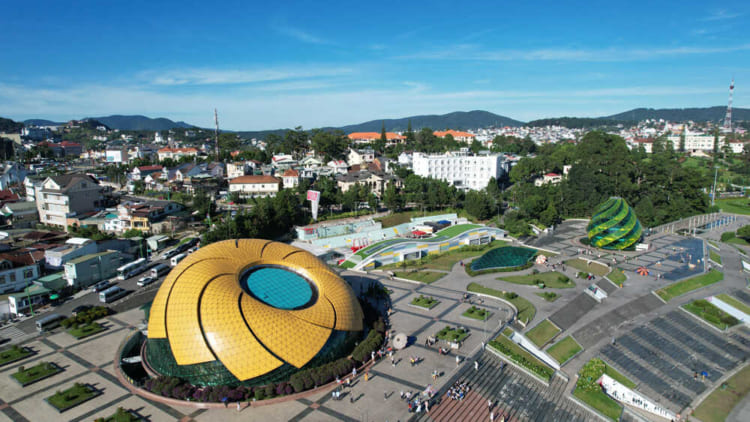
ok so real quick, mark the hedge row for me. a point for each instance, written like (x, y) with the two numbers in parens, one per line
(85, 317)
(540, 370)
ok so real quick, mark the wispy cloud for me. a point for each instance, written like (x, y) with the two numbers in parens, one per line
(474, 52)
(299, 34)
(720, 15)
(208, 76)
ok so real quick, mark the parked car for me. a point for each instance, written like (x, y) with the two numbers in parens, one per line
(145, 281)
(102, 285)
(81, 308)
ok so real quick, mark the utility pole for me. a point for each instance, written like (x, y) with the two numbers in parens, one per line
(713, 195)
(216, 137)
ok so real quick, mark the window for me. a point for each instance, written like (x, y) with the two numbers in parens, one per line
(2, 279)
(12, 277)
(28, 273)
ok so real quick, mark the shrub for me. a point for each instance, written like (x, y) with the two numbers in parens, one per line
(535, 271)
(511, 295)
(259, 394)
(727, 236)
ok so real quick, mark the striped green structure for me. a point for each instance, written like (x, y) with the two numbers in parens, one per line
(614, 226)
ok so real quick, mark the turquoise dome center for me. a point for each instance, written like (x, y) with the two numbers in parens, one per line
(279, 288)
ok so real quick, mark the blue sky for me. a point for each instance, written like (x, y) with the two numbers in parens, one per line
(326, 63)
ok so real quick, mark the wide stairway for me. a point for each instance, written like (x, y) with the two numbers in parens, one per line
(514, 395)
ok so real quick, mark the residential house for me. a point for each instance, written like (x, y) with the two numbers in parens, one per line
(549, 178)
(237, 169)
(90, 269)
(117, 155)
(368, 137)
(254, 186)
(56, 258)
(141, 215)
(31, 184)
(310, 162)
(19, 268)
(457, 135)
(11, 174)
(283, 161)
(290, 178)
(139, 173)
(405, 159)
(361, 156)
(176, 153)
(66, 196)
(70, 149)
(377, 182)
(20, 215)
(338, 166)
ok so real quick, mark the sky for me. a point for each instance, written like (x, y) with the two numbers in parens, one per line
(267, 65)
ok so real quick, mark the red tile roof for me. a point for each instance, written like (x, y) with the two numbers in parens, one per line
(150, 168)
(371, 136)
(453, 133)
(291, 173)
(253, 180)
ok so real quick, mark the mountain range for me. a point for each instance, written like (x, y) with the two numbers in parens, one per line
(460, 120)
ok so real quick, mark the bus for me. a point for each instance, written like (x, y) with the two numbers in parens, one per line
(159, 270)
(113, 293)
(132, 269)
(49, 322)
(177, 258)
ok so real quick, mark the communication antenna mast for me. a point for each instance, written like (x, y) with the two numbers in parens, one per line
(728, 118)
(216, 120)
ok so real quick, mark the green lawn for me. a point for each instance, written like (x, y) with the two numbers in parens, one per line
(548, 296)
(737, 241)
(85, 330)
(526, 310)
(717, 406)
(711, 314)
(347, 264)
(715, 257)
(590, 392)
(551, 279)
(26, 376)
(593, 267)
(712, 243)
(564, 349)
(451, 231)
(542, 333)
(73, 396)
(445, 261)
(520, 356)
(734, 205)
(685, 286)
(617, 276)
(474, 312)
(14, 353)
(425, 302)
(426, 277)
(452, 334)
(736, 303)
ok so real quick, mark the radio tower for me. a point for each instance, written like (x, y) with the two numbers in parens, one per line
(216, 137)
(728, 118)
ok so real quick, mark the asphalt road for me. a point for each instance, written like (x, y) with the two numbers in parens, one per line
(137, 296)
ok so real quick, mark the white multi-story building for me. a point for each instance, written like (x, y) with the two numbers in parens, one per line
(467, 172)
(252, 186)
(65, 196)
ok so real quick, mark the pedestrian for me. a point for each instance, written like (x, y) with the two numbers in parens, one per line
(393, 361)
(476, 366)
(354, 372)
(489, 404)
(492, 416)
(372, 355)
(401, 394)
(238, 406)
(351, 397)
(458, 360)
(367, 376)
(385, 395)
(427, 406)
(482, 345)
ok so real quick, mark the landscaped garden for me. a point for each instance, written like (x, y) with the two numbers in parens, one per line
(85, 330)
(505, 259)
(477, 313)
(591, 393)
(551, 279)
(14, 353)
(121, 415)
(717, 406)
(505, 346)
(588, 267)
(72, 397)
(455, 335)
(526, 310)
(446, 260)
(564, 349)
(548, 296)
(681, 287)
(425, 302)
(26, 376)
(735, 303)
(711, 314)
(423, 276)
(542, 333)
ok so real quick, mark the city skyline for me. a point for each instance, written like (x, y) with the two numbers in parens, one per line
(326, 65)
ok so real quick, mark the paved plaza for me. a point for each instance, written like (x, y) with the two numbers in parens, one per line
(656, 345)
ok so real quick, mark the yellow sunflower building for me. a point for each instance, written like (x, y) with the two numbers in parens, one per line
(249, 311)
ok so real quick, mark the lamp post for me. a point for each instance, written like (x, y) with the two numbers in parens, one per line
(713, 194)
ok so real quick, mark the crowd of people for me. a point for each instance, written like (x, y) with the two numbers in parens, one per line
(458, 390)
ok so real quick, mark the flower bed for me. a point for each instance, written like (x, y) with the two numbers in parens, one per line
(425, 302)
(85, 330)
(35, 373)
(72, 397)
(711, 314)
(455, 335)
(121, 415)
(14, 354)
(477, 313)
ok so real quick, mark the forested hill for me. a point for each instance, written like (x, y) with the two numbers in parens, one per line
(458, 120)
(140, 123)
(703, 114)
(576, 122)
(9, 126)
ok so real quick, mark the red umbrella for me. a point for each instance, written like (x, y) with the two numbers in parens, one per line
(642, 271)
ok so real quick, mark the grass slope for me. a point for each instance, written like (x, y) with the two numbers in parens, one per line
(542, 333)
(564, 349)
(526, 310)
(681, 287)
(551, 279)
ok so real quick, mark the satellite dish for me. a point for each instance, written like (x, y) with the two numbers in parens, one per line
(399, 342)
